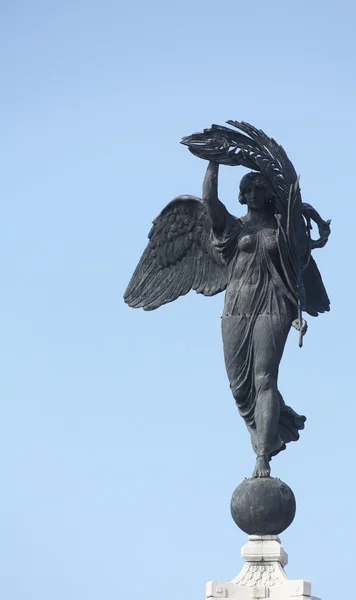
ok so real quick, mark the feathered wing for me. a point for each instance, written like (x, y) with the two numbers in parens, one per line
(316, 297)
(179, 257)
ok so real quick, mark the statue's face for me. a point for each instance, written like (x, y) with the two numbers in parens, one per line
(255, 196)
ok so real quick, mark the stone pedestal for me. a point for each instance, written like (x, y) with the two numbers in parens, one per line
(262, 576)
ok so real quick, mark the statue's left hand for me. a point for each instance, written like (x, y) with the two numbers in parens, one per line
(303, 328)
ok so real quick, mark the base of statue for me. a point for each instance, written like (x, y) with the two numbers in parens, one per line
(263, 575)
(262, 508)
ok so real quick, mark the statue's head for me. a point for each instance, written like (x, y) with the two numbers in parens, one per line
(255, 190)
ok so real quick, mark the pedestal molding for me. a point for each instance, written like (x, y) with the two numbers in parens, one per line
(262, 575)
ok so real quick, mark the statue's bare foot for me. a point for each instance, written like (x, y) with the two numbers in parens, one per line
(262, 467)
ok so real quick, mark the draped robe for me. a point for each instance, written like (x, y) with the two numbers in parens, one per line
(258, 313)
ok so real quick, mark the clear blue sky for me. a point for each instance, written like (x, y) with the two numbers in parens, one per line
(120, 443)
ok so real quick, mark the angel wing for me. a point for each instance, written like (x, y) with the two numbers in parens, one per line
(179, 257)
(316, 299)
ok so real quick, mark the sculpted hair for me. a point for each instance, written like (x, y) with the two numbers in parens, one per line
(255, 179)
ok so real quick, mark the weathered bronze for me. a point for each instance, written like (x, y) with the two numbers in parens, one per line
(263, 261)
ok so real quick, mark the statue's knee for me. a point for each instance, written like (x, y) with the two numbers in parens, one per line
(265, 382)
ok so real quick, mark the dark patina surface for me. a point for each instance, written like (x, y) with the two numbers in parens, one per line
(263, 260)
(263, 506)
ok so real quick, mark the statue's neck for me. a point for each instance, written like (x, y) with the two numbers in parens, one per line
(261, 218)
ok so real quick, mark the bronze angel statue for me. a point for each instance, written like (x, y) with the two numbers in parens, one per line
(263, 261)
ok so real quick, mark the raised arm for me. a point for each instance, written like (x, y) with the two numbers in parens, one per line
(216, 209)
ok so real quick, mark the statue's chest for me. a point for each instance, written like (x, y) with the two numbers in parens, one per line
(251, 241)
